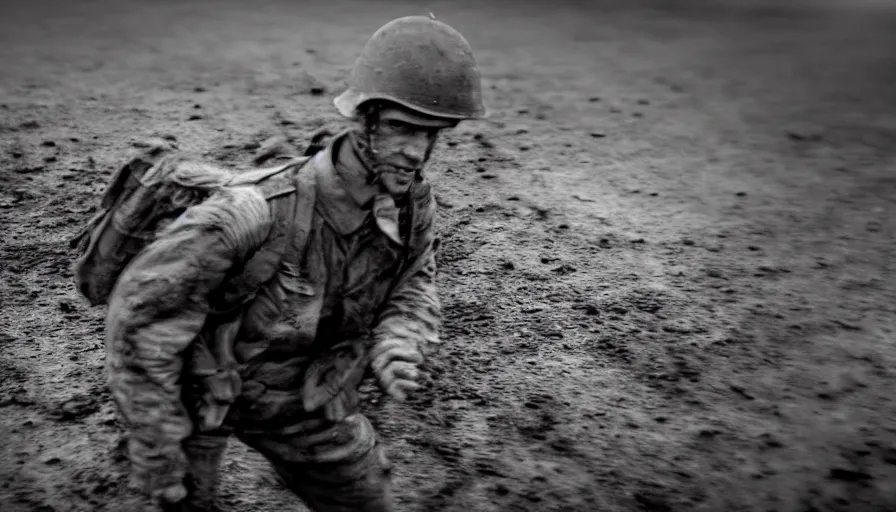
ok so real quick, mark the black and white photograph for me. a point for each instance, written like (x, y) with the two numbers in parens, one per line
(448, 256)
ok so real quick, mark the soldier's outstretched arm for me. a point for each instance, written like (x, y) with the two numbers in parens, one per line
(159, 305)
(408, 327)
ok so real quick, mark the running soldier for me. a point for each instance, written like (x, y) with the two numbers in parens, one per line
(204, 345)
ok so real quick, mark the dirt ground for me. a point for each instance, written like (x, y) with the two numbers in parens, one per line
(668, 264)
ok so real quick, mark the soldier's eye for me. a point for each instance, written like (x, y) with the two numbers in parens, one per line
(396, 125)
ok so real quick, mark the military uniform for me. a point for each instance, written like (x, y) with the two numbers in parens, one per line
(365, 273)
(353, 259)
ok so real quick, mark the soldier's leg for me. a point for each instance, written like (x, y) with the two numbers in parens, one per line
(332, 467)
(204, 453)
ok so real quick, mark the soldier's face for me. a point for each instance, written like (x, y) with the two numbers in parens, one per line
(402, 141)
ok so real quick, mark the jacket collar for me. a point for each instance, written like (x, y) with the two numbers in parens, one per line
(344, 193)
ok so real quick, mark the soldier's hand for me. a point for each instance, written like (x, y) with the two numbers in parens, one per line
(395, 365)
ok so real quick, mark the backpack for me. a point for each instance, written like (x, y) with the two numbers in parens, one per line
(152, 190)
(149, 192)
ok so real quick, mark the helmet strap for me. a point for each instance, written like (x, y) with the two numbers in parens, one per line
(362, 145)
(363, 142)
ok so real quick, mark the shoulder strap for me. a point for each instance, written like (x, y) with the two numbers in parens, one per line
(305, 299)
(256, 176)
(292, 207)
(306, 195)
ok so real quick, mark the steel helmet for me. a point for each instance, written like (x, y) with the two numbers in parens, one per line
(419, 63)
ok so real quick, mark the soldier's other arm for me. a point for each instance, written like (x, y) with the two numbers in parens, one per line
(158, 307)
(408, 328)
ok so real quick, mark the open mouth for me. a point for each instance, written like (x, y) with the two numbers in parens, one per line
(400, 175)
(403, 173)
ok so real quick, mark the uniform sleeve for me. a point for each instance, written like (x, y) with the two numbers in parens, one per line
(413, 312)
(158, 307)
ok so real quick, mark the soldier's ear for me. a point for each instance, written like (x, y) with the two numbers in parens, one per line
(367, 114)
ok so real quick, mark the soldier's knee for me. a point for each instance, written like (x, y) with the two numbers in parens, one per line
(362, 484)
(349, 440)
(331, 466)
(317, 441)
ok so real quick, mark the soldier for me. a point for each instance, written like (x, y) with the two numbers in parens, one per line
(355, 292)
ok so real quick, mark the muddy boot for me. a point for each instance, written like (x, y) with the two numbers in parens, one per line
(204, 451)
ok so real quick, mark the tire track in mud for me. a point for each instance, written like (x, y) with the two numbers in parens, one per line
(669, 349)
(766, 342)
(527, 321)
(54, 406)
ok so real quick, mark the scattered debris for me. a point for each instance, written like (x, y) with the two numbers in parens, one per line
(848, 475)
(29, 170)
(564, 269)
(742, 391)
(770, 441)
(273, 147)
(76, 407)
(804, 137)
(848, 325)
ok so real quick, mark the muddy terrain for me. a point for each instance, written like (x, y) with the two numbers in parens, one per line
(668, 255)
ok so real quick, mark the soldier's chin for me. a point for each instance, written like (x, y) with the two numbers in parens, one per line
(397, 184)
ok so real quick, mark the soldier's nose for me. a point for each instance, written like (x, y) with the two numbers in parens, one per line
(414, 153)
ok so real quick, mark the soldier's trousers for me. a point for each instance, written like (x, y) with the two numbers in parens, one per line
(332, 467)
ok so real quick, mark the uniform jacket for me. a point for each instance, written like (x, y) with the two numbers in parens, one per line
(164, 302)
